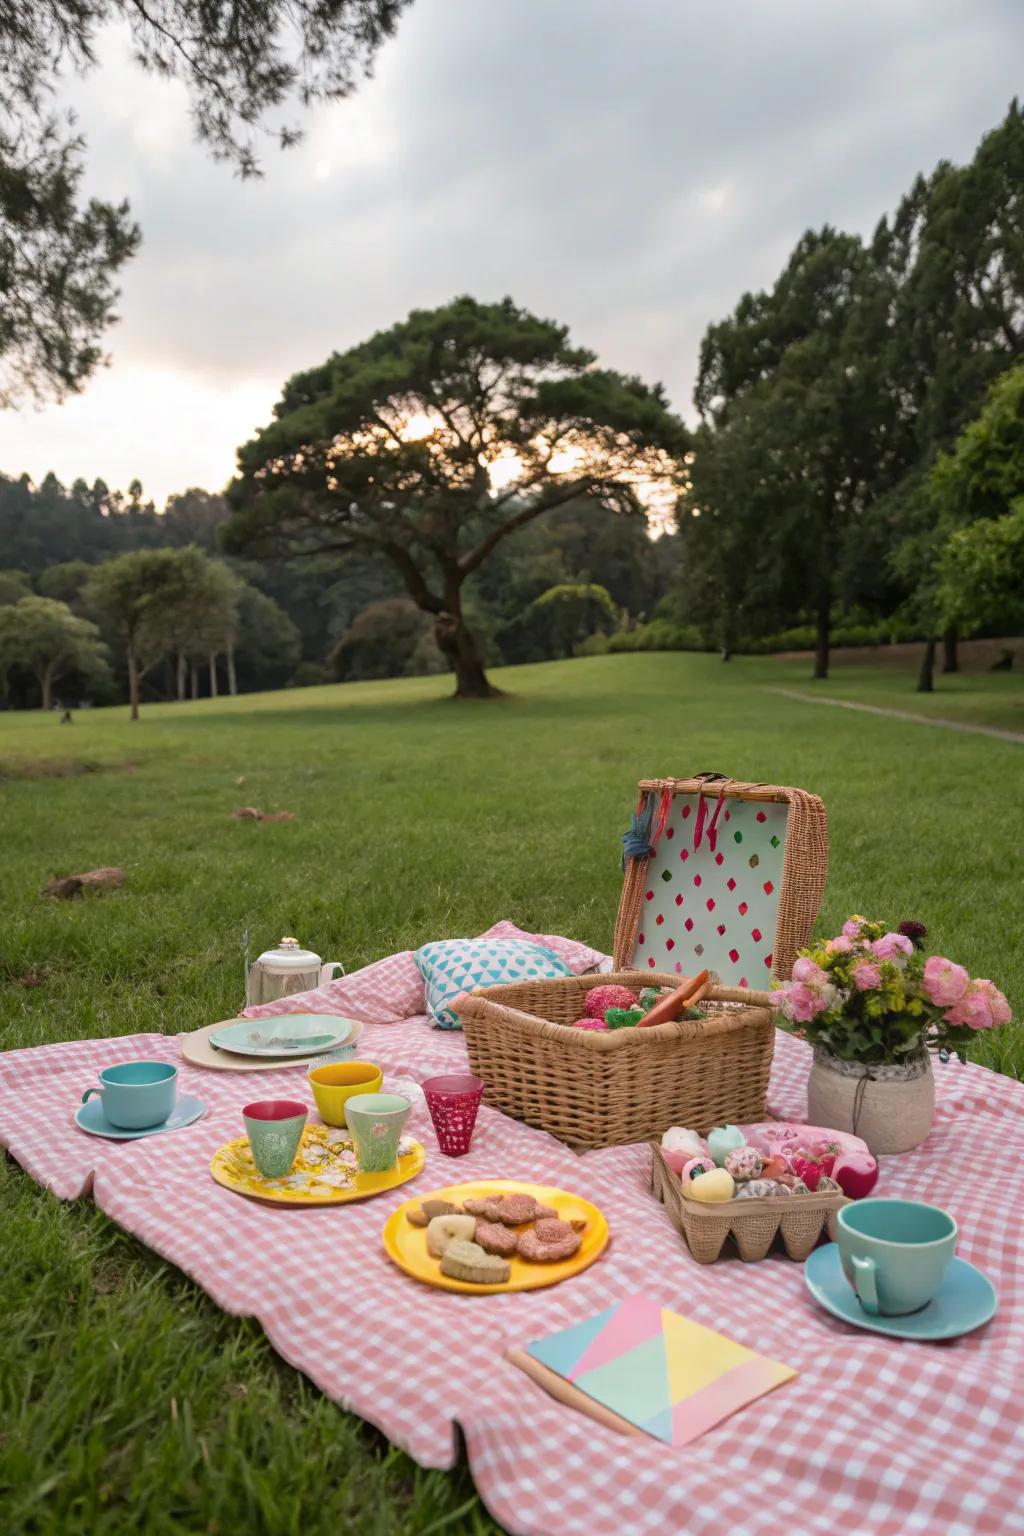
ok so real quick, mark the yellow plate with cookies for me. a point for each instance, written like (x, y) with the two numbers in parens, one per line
(406, 1244)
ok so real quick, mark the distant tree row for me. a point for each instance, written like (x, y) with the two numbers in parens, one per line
(173, 606)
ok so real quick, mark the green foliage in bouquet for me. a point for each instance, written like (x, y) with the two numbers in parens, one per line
(870, 995)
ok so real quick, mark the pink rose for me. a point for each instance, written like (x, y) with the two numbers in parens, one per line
(851, 928)
(973, 1009)
(840, 945)
(893, 946)
(804, 1003)
(943, 982)
(865, 976)
(996, 1000)
(810, 974)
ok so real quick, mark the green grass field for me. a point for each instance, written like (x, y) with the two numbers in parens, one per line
(128, 1401)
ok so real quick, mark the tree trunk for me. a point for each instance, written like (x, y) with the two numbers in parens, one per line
(180, 676)
(950, 659)
(133, 682)
(821, 654)
(926, 677)
(460, 650)
(195, 679)
(232, 679)
(213, 675)
(46, 687)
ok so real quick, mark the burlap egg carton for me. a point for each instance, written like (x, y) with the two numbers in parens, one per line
(754, 1224)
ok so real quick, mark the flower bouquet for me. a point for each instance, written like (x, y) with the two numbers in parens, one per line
(873, 1006)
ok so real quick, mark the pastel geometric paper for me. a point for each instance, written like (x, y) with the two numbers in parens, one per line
(666, 1375)
(712, 897)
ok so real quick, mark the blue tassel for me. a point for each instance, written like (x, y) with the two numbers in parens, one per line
(636, 843)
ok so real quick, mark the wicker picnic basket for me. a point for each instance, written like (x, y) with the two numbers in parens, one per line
(593, 1088)
(753, 1225)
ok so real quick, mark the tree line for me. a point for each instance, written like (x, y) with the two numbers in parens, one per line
(829, 473)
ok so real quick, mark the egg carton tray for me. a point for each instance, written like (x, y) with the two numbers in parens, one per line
(753, 1225)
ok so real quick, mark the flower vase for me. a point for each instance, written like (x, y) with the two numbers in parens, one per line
(890, 1106)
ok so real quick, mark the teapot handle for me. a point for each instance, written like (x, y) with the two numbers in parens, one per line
(328, 970)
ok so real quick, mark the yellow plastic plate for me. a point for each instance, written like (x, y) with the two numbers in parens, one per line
(406, 1245)
(318, 1155)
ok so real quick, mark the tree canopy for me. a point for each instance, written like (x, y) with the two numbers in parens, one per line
(433, 442)
(60, 254)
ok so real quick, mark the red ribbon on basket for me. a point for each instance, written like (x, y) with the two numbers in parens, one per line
(701, 818)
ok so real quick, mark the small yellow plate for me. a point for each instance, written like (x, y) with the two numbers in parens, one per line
(406, 1245)
(319, 1155)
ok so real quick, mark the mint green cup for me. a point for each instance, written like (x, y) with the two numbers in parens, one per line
(376, 1121)
(274, 1128)
(137, 1094)
(894, 1253)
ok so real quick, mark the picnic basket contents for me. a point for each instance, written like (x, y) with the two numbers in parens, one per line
(495, 1235)
(601, 1087)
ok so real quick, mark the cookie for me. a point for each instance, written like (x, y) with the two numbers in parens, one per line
(549, 1242)
(493, 1237)
(420, 1215)
(512, 1210)
(443, 1229)
(468, 1261)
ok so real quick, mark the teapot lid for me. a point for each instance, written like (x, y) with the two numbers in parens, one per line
(288, 956)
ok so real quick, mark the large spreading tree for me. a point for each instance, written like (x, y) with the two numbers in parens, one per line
(242, 63)
(433, 442)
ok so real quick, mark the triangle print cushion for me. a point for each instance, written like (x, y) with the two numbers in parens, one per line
(450, 967)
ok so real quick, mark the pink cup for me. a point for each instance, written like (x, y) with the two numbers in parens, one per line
(453, 1101)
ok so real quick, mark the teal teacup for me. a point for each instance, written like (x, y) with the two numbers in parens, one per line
(137, 1094)
(376, 1121)
(894, 1253)
(274, 1128)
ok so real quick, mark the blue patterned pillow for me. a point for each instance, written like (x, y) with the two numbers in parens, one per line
(451, 966)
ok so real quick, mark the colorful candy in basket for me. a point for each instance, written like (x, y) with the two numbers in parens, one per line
(756, 1184)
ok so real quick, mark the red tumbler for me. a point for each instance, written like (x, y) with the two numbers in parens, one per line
(453, 1101)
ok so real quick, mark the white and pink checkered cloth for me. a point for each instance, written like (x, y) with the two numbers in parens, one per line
(875, 1435)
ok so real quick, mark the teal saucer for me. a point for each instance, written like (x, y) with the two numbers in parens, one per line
(966, 1299)
(90, 1117)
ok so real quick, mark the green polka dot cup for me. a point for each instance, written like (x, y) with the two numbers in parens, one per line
(376, 1121)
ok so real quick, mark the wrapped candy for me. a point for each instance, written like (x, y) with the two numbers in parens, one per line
(744, 1163)
(677, 1138)
(678, 1145)
(621, 1018)
(696, 1168)
(722, 1140)
(710, 1188)
(600, 999)
(756, 1188)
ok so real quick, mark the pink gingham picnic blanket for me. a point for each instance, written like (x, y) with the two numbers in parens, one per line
(874, 1436)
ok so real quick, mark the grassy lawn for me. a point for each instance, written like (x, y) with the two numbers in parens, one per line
(128, 1401)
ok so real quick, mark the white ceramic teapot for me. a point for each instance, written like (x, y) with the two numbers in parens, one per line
(287, 969)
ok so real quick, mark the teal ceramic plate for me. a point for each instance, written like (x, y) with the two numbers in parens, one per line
(90, 1117)
(966, 1299)
(289, 1034)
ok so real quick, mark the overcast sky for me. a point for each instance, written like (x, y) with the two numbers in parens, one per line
(627, 166)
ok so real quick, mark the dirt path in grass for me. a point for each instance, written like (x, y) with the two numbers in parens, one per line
(903, 714)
